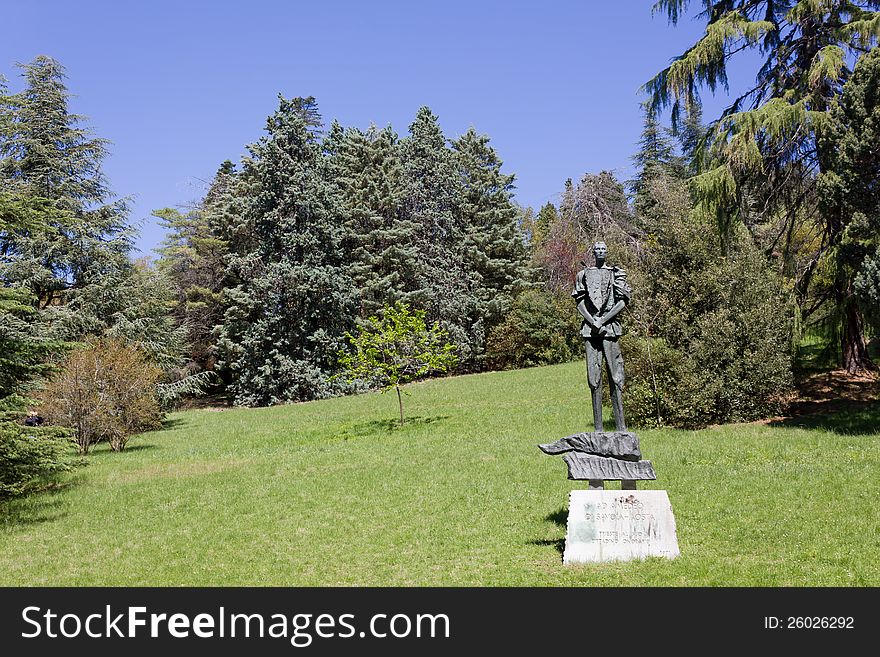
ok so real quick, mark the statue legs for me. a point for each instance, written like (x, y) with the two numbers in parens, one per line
(617, 407)
(609, 351)
(594, 378)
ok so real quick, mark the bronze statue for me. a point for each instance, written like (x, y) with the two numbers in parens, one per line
(601, 293)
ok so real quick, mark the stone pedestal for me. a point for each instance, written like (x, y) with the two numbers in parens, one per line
(619, 525)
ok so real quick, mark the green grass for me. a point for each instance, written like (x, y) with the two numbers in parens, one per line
(331, 493)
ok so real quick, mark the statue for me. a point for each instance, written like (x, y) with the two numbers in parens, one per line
(601, 293)
(608, 525)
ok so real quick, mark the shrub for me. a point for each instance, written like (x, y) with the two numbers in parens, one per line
(542, 328)
(104, 391)
(30, 458)
(711, 331)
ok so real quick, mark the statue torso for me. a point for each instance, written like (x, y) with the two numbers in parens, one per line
(598, 284)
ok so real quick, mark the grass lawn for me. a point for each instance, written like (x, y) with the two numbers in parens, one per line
(331, 493)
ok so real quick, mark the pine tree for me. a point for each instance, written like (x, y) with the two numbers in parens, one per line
(431, 189)
(771, 135)
(192, 257)
(492, 244)
(46, 154)
(547, 216)
(287, 316)
(28, 457)
(380, 242)
(691, 135)
(654, 159)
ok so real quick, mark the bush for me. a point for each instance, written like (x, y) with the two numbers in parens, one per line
(542, 328)
(104, 391)
(30, 458)
(710, 332)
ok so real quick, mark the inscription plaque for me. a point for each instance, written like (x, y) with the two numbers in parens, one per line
(619, 525)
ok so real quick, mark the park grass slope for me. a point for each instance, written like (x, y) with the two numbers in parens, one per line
(332, 493)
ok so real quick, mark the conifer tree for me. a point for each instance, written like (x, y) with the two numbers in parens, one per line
(288, 314)
(850, 190)
(47, 154)
(547, 216)
(192, 256)
(691, 134)
(771, 134)
(431, 188)
(380, 241)
(492, 244)
(654, 159)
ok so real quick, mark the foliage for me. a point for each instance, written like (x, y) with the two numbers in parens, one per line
(286, 317)
(104, 391)
(542, 328)
(191, 259)
(396, 349)
(761, 158)
(26, 351)
(536, 227)
(47, 158)
(655, 157)
(31, 458)
(710, 333)
(383, 259)
(431, 189)
(491, 243)
(596, 209)
(850, 192)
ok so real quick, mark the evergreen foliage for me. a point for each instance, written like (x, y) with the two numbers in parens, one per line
(192, 258)
(430, 191)
(763, 154)
(709, 333)
(46, 154)
(319, 233)
(850, 190)
(31, 458)
(538, 231)
(654, 158)
(26, 348)
(294, 301)
(542, 328)
(492, 244)
(379, 242)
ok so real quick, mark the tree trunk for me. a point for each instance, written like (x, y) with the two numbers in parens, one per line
(854, 350)
(400, 404)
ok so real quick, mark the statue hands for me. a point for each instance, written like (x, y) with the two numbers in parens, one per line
(596, 327)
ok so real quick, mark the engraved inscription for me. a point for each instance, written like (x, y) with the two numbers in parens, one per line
(609, 525)
(631, 522)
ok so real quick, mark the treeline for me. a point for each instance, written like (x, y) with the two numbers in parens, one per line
(316, 231)
(255, 289)
(738, 234)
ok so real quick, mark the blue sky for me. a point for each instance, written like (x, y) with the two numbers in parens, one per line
(178, 87)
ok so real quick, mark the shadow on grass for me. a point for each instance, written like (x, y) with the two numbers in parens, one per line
(173, 424)
(102, 450)
(41, 506)
(387, 427)
(138, 448)
(560, 519)
(851, 418)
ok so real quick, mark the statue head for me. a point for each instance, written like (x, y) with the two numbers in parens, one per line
(600, 250)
